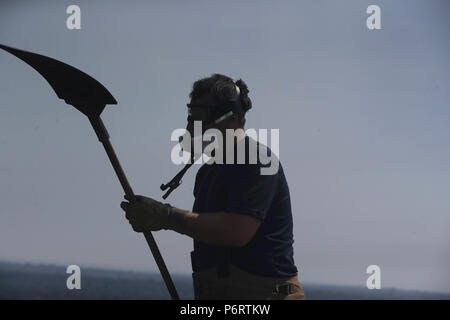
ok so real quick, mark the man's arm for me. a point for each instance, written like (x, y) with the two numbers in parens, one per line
(217, 228)
(220, 228)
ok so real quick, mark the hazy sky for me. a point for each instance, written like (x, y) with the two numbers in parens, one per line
(363, 118)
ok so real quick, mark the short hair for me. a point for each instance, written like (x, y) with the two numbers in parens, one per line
(222, 89)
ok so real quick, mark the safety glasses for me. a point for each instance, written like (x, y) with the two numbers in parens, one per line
(198, 113)
(202, 113)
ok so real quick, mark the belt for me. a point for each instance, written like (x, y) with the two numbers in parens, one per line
(287, 288)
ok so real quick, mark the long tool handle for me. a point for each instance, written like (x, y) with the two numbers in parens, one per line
(103, 136)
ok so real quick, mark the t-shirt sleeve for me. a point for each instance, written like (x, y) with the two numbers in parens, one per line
(249, 192)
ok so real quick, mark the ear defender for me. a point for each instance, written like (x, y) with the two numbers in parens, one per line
(243, 91)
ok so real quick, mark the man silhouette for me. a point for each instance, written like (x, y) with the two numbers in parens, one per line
(241, 220)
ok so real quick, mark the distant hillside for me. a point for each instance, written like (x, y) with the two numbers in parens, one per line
(28, 281)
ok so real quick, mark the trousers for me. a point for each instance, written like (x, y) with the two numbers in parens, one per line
(239, 285)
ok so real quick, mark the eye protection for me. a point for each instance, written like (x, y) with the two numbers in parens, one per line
(197, 113)
(201, 113)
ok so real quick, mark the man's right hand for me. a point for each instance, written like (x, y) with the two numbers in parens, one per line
(146, 214)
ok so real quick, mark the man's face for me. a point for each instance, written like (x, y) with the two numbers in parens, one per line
(200, 108)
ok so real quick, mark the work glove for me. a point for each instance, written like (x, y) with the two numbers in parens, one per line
(147, 214)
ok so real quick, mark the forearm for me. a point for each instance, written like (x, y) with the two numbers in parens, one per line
(218, 228)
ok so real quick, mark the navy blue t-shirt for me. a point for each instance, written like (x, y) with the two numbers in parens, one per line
(242, 189)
